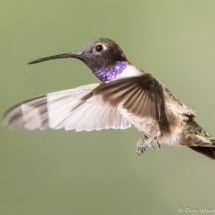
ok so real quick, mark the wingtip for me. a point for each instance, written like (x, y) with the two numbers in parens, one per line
(5, 122)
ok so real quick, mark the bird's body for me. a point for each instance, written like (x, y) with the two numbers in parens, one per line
(182, 128)
(127, 97)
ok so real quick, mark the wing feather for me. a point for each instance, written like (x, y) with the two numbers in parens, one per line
(141, 96)
(64, 109)
(90, 107)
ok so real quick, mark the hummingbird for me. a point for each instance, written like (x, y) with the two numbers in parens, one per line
(126, 96)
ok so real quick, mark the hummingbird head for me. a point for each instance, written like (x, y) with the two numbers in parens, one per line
(103, 56)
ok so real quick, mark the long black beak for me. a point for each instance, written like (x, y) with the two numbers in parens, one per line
(67, 55)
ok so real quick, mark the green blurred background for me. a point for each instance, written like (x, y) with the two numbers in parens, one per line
(98, 172)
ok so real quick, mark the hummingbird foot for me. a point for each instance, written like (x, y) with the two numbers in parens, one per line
(157, 143)
(142, 144)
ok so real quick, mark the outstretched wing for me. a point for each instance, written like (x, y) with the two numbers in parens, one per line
(142, 96)
(66, 109)
(90, 107)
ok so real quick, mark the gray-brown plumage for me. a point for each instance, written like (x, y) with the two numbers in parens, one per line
(126, 97)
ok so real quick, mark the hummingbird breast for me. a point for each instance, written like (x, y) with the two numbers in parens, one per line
(169, 133)
(146, 125)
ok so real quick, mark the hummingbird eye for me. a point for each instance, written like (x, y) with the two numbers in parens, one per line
(99, 48)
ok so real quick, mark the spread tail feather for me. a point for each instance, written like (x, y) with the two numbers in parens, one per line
(207, 151)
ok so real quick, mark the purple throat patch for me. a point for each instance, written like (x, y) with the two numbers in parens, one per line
(110, 72)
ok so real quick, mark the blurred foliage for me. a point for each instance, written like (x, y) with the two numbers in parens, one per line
(94, 173)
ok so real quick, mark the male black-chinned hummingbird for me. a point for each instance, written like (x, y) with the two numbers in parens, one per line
(127, 97)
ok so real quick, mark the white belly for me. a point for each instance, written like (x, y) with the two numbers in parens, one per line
(151, 129)
(146, 125)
